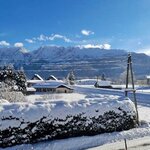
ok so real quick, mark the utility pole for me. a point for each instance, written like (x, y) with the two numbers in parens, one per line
(130, 70)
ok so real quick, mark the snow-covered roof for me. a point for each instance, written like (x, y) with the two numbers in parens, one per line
(37, 77)
(148, 77)
(45, 81)
(51, 77)
(51, 84)
(104, 83)
(35, 81)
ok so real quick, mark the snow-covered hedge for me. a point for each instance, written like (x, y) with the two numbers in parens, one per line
(27, 123)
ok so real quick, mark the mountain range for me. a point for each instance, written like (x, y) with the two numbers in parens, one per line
(85, 62)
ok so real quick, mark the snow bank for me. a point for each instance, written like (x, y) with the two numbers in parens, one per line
(25, 123)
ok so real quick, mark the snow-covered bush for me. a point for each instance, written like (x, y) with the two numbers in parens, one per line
(6, 93)
(27, 123)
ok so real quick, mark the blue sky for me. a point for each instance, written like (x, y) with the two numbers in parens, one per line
(122, 24)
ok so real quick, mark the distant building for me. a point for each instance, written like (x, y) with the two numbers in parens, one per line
(148, 79)
(103, 84)
(52, 87)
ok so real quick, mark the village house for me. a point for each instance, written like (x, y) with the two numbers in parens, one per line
(52, 87)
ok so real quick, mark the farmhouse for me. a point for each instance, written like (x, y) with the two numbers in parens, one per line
(52, 87)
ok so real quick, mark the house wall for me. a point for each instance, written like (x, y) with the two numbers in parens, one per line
(45, 90)
(63, 90)
(58, 90)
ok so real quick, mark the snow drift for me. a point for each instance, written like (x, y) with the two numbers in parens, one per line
(28, 123)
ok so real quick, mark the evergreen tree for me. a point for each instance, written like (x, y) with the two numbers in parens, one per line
(96, 83)
(71, 78)
(103, 77)
(14, 79)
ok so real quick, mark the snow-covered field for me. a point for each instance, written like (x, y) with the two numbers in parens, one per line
(137, 138)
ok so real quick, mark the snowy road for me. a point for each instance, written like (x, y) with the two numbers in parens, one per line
(142, 98)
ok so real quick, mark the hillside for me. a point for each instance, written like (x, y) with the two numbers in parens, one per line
(86, 62)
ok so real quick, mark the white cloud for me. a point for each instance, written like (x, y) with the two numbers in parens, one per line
(106, 46)
(87, 32)
(42, 37)
(18, 44)
(29, 40)
(89, 46)
(52, 37)
(101, 46)
(4, 43)
(58, 36)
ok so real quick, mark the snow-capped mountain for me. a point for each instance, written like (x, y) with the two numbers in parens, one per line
(86, 62)
(13, 54)
(55, 53)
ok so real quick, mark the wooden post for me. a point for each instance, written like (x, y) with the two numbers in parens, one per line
(129, 68)
(125, 143)
(127, 77)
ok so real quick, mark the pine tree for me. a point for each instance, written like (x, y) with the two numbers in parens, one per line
(103, 77)
(16, 80)
(71, 78)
